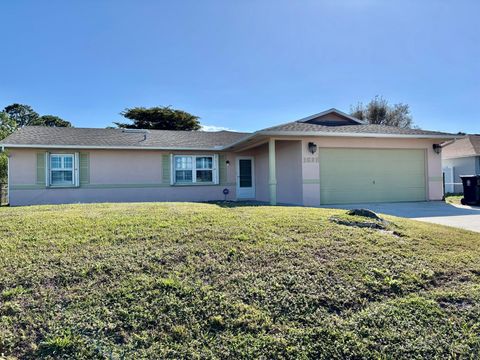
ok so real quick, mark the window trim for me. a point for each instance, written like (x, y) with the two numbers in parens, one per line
(194, 182)
(74, 170)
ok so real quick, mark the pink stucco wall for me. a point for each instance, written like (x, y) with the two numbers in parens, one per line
(115, 175)
(289, 172)
(298, 171)
(311, 166)
(261, 172)
(109, 167)
(288, 158)
(86, 195)
(140, 171)
(23, 166)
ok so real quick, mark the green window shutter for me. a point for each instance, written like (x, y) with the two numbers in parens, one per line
(41, 166)
(84, 166)
(222, 169)
(166, 175)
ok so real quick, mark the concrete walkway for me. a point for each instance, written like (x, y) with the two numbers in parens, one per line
(438, 212)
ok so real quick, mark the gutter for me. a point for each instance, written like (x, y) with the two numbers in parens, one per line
(98, 147)
(8, 173)
(367, 135)
(329, 134)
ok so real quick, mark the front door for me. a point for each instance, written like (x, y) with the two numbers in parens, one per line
(245, 178)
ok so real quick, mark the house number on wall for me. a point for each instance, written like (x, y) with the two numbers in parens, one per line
(310, 159)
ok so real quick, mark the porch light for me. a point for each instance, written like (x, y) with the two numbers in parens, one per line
(227, 162)
(437, 148)
(312, 147)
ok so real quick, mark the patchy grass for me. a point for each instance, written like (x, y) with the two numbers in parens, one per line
(203, 281)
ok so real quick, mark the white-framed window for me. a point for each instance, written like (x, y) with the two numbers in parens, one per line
(195, 169)
(62, 170)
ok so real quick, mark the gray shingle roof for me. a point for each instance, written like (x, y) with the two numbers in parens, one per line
(41, 135)
(468, 146)
(298, 126)
(38, 136)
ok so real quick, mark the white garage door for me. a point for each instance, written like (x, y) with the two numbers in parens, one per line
(371, 175)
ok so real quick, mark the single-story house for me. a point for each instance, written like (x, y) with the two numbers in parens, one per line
(326, 158)
(460, 157)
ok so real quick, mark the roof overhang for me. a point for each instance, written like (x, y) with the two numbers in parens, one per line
(453, 157)
(265, 134)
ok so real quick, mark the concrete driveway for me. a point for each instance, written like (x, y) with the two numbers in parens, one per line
(437, 212)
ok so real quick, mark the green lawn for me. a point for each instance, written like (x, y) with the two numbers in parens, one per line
(203, 281)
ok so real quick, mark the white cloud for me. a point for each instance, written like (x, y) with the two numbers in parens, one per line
(214, 128)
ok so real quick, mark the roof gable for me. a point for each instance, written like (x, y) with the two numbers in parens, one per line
(331, 117)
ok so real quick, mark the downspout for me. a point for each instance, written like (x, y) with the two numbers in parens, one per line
(8, 174)
(272, 177)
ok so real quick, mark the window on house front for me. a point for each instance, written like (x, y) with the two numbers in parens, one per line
(194, 169)
(61, 169)
(204, 169)
(183, 169)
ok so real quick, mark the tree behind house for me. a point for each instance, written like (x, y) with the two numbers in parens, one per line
(24, 115)
(159, 118)
(19, 115)
(379, 111)
(51, 121)
(7, 125)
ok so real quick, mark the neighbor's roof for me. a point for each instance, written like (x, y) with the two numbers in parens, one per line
(42, 136)
(465, 147)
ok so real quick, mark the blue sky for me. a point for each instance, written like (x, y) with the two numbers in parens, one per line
(244, 64)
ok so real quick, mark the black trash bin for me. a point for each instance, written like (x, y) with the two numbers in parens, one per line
(471, 189)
